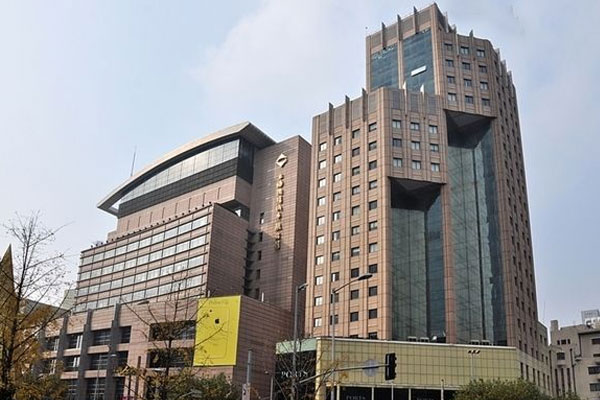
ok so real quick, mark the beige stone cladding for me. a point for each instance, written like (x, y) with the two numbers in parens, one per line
(134, 348)
(278, 222)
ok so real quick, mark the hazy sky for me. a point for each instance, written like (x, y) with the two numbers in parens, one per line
(83, 83)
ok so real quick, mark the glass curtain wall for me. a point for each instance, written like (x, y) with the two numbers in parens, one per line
(384, 68)
(417, 61)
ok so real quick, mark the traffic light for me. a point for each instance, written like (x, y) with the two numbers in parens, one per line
(390, 366)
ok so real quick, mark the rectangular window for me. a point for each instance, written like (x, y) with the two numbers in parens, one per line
(355, 171)
(98, 361)
(415, 145)
(355, 230)
(320, 220)
(594, 370)
(318, 301)
(594, 387)
(433, 129)
(416, 164)
(466, 66)
(337, 177)
(355, 151)
(334, 319)
(354, 272)
(414, 126)
(355, 190)
(354, 251)
(480, 53)
(397, 162)
(468, 83)
(483, 85)
(335, 235)
(372, 335)
(356, 134)
(372, 268)
(485, 102)
(464, 50)
(372, 145)
(322, 164)
(451, 80)
(319, 260)
(321, 201)
(372, 126)
(483, 69)
(448, 46)
(335, 276)
(318, 280)
(101, 337)
(372, 291)
(396, 142)
(354, 294)
(323, 146)
(372, 225)
(355, 210)
(320, 240)
(335, 216)
(469, 99)
(317, 322)
(596, 340)
(373, 205)
(435, 167)
(322, 182)
(372, 165)
(337, 140)
(337, 159)
(372, 313)
(335, 256)
(396, 124)
(354, 316)
(449, 63)
(373, 247)
(452, 97)
(372, 184)
(434, 147)
(337, 196)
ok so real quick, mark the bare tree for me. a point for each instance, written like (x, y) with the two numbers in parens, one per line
(34, 273)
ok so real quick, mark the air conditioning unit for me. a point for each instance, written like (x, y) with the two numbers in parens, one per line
(475, 342)
(486, 343)
(424, 340)
(412, 339)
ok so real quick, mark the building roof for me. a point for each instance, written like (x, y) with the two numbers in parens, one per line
(243, 130)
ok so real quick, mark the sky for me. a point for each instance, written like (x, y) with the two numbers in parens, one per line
(85, 84)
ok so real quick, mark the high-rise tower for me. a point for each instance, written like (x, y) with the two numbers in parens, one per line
(420, 182)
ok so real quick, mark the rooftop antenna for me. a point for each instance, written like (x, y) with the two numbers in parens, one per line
(133, 160)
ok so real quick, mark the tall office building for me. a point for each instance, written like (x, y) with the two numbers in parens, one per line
(420, 182)
(222, 216)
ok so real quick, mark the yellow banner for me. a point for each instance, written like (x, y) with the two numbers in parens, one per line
(217, 331)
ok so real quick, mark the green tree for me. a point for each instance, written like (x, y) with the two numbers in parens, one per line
(505, 390)
(41, 387)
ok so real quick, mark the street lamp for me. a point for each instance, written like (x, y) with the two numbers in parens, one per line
(299, 288)
(472, 353)
(332, 321)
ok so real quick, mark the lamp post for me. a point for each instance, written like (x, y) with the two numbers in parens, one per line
(332, 322)
(472, 353)
(299, 288)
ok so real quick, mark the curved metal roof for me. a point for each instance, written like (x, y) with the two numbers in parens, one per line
(243, 130)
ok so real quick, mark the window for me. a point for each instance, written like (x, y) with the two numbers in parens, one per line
(337, 159)
(449, 63)
(323, 146)
(335, 276)
(594, 387)
(334, 298)
(414, 126)
(354, 316)
(334, 319)
(485, 102)
(560, 356)
(396, 142)
(335, 235)
(372, 126)
(320, 239)
(101, 337)
(317, 322)
(434, 147)
(74, 341)
(322, 182)
(480, 53)
(452, 97)
(464, 50)
(594, 370)
(356, 134)
(355, 171)
(483, 69)
(337, 140)
(319, 260)
(337, 196)
(469, 99)
(318, 280)
(415, 145)
(372, 313)
(322, 164)
(355, 151)
(335, 256)
(261, 218)
(483, 85)
(318, 300)
(321, 201)
(448, 46)
(372, 225)
(435, 167)
(373, 205)
(468, 83)
(355, 251)
(451, 80)
(355, 190)
(466, 66)
(320, 220)
(397, 162)
(372, 291)
(354, 272)
(98, 361)
(355, 210)
(396, 124)
(433, 129)
(372, 335)
(372, 268)
(337, 177)
(596, 340)
(372, 184)
(354, 294)
(373, 247)
(261, 236)
(71, 363)
(372, 165)
(416, 164)
(355, 230)
(372, 145)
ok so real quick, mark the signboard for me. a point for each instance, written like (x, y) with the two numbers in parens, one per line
(217, 325)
